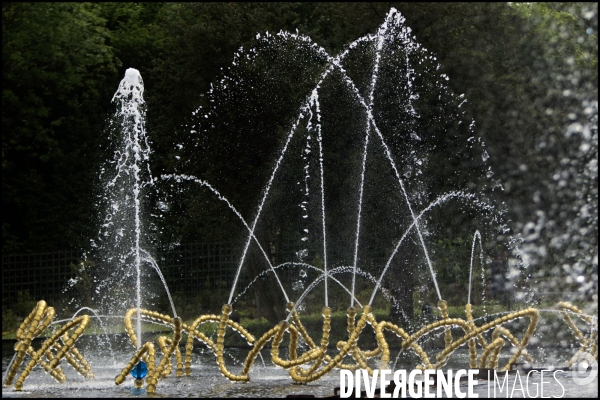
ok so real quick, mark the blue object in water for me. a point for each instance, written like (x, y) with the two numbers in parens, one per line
(140, 370)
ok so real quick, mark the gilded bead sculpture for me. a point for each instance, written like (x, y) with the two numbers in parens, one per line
(305, 367)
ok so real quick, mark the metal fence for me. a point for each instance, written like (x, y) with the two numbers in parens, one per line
(38, 275)
(212, 264)
(189, 267)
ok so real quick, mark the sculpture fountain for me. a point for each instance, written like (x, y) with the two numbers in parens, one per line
(393, 52)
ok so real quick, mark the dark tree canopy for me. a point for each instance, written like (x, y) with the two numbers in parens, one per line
(528, 72)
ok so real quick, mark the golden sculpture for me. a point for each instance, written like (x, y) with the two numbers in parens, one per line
(37, 321)
(309, 366)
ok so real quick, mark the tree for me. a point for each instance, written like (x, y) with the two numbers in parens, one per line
(54, 67)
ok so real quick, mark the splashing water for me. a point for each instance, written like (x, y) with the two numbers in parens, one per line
(476, 236)
(378, 149)
(391, 43)
(119, 254)
(136, 151)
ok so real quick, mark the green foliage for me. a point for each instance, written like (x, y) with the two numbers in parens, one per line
(13, 317)
(568, 27)
(54, 66)
(63, 61)
(84, 288)
(452, 260)
(206, 301)
(56, 89)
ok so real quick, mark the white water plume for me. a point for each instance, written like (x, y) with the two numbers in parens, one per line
(392, 33)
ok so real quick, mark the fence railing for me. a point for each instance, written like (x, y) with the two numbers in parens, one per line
(199, 266)
(46, 275)
(40, 275)
(190, 268)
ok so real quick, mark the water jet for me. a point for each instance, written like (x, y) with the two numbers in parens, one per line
(403, 214)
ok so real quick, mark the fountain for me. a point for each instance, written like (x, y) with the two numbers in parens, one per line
(392, 198)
